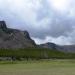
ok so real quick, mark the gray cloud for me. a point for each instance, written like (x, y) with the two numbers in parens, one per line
(43, 21)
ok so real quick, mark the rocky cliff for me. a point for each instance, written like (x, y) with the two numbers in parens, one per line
(13, 38)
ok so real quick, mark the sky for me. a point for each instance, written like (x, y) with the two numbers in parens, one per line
(45, 20)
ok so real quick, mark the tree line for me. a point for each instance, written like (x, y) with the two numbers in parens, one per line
(35, 53)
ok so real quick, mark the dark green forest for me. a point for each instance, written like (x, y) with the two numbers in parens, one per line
(35, 53)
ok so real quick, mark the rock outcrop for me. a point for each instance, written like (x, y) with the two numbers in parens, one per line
(13, 38)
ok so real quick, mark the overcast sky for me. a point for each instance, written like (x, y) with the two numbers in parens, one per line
(45, 20)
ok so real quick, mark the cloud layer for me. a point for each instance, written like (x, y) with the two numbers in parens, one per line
(46, 20)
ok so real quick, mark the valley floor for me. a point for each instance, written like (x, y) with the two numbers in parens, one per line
(42, 67)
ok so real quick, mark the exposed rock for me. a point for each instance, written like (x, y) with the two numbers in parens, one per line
(2, 25)
(13, 38)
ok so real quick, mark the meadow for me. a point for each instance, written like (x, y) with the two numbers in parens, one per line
(36, 61)
(41, 67)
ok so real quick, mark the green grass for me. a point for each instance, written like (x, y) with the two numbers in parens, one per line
(41, 67)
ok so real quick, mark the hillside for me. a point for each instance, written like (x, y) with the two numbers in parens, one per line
(63, 48)
(17, 39)
(13, 38)
(17, 44)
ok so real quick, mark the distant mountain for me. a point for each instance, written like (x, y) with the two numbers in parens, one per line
(48, 45)
(67, 48)
(13, 38)
(64, 48)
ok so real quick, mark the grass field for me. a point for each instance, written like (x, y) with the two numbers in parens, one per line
(47, 67)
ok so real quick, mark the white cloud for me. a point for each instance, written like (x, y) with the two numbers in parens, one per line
(66, 7)
(59, 40)
(60, 5)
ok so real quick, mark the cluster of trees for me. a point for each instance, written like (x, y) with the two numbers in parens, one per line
(35, 53)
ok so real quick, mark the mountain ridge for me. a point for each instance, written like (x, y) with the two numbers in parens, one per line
(14, 38)
(63, 48)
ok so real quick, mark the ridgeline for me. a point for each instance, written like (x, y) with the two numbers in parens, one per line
(17, 45)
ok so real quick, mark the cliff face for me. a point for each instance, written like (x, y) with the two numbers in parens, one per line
(13, 38)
